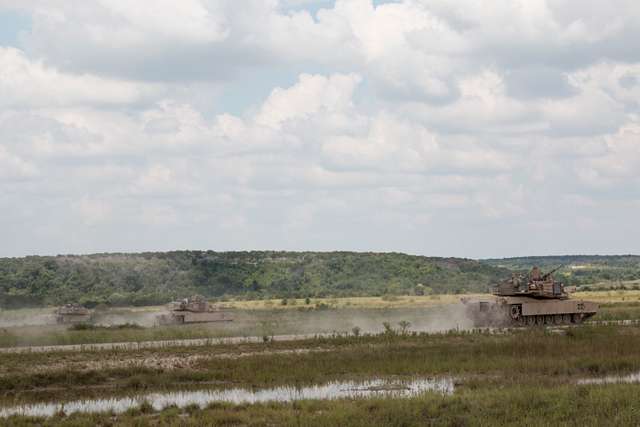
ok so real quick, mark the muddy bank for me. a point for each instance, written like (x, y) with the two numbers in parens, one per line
(151, 361)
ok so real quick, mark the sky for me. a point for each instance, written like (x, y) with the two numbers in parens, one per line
(432, 127)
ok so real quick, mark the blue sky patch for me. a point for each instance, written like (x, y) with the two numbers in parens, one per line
(12, 24)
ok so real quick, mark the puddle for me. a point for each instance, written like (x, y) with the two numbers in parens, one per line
(626, 379)
(329, 391)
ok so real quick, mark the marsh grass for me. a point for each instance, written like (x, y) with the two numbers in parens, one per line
(526, 358)
(511, 405)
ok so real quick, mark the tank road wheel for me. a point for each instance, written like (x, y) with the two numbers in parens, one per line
(566, 319)
(557, 319)
(540, 320)
(548, 319)
(515, 311)
(531, 320)
(576, 318)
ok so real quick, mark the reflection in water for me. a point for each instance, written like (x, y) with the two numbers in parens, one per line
(333, 390)
(631, 378)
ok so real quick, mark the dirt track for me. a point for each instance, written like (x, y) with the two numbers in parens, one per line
(200, 342)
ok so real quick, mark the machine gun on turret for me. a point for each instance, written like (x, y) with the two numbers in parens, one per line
(545, 276)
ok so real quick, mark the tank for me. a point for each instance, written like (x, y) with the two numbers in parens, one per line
(72, 313)
(527, 300)
(195, 309)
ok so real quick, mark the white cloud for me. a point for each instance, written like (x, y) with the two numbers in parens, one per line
(138, 24)
(93, 211)
(13, 167)
(620, 164)
(321, 125)
(27, 83)
(312, 94)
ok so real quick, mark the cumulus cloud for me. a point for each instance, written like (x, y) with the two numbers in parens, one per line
(417, 126)
(25, 83)
(13, 167)
(312, 94)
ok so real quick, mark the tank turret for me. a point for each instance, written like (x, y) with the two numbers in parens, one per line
(534, 285)
(194, 304)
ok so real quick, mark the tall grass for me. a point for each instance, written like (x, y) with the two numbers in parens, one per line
(511, 405)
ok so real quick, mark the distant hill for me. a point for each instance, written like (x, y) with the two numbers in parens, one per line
(579, 269)
(158, 277)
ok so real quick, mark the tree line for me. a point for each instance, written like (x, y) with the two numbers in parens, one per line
(158, 277)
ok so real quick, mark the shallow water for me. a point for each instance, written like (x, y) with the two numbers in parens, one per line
(329, 391)
(626, 379)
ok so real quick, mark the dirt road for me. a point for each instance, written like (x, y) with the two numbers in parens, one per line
(199, 342)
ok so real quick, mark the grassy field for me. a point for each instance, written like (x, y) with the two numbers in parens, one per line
(402, 301)
(407, 301)
(525, 377)
(613, 296)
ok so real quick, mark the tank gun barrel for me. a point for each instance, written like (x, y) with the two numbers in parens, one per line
(546, 275)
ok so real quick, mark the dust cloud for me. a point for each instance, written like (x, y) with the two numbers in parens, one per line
(18, 327)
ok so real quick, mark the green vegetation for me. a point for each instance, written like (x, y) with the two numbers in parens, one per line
(156, 278)
(524, 378)
(91, 327)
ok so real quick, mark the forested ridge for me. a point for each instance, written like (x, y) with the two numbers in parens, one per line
(157, 277)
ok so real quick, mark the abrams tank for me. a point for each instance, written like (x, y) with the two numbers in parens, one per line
(527, 300)
(195, 309)
(72, 313)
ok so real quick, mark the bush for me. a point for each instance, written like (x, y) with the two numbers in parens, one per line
(404, 326)
(91, 327)
(388, 330)
(322, 306)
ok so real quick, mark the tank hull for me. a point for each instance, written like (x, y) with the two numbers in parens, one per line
(525, 311)
(187, 317)
(72, 313)
(65, 319)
